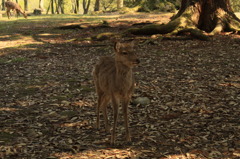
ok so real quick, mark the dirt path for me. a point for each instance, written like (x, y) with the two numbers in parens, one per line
(47, 98)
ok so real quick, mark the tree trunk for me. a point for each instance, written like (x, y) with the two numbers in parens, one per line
(61, 6)
(57, 6)
(97, 5)
(75, 5)
(209, 16)
(26, 5)
(52, 6)
(41, 5)
(119, 4)
(3, 4)
(86, 5)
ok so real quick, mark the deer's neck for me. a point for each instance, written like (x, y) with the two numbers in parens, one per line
(123, 71)
(124, 79)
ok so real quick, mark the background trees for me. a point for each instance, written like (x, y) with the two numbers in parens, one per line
(87, 6)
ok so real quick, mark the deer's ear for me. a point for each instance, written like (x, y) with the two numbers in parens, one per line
(117, 46)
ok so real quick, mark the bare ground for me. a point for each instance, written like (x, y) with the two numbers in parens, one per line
(47, 98)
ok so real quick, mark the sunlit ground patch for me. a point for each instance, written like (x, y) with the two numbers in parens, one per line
(19, 41)
(107, 153)
(8, 109)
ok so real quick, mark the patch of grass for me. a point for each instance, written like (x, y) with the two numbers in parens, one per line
(3, 61)
(18, 59)
(15, 60)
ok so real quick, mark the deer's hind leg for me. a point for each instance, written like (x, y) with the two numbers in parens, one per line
(8, 13)
(103, 101)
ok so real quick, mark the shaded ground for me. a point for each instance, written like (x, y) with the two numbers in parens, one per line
(47, 98)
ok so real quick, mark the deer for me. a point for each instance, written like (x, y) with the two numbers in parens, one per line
(114, 82)
(15, 7)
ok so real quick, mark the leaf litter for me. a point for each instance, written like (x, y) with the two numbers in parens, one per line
(48, 101)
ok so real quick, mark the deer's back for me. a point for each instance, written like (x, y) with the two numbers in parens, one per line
(12, 5)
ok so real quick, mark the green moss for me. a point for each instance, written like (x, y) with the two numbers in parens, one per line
(2, 61)
(19, 59)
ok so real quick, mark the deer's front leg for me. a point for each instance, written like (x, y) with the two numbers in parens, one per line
(125, 104)
(115, 103)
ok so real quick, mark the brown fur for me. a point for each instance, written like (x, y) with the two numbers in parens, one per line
(15, 7)
(114, 82)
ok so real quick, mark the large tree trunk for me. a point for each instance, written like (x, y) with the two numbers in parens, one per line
(195, 16)
(86, 5)
(3, 4)
(41, 5)
(75, 6)
(97, 5)
(119, 4)
(26, 5)
(52, 7)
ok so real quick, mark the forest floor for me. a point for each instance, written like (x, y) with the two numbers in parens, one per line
(47, 96)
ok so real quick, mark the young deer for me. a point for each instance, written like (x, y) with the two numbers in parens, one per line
(15, 7)
(114, 82)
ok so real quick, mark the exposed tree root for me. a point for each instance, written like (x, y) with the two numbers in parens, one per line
(155, 28)
(226, 22)
(192, 22)
(70, 27)
(84, 26)
(195, 33)
(176, 27)
(105, 36)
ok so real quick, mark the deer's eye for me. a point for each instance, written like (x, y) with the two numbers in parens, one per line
(124, 53)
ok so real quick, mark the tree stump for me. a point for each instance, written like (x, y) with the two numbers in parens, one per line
(37, 12)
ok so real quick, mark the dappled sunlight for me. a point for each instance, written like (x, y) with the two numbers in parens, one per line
(8, 109)
(185, 156)
(78, 124)
(82, 103)
(9, 150)
(48, 104)
(99, 153)
(48, 34)
(20, 41)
